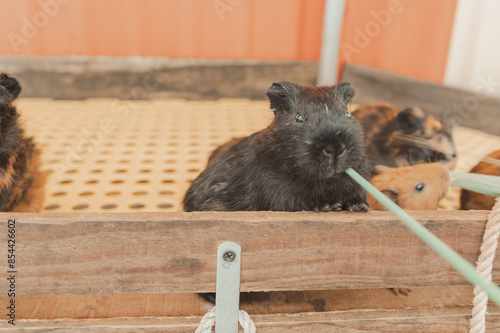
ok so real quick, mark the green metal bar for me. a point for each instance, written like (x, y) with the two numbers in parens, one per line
(457, 261)
(485, 184)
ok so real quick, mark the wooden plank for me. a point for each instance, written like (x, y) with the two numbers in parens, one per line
(94, 253)
(474, 109)
(180, 305)
(443, 320)
(151, 77)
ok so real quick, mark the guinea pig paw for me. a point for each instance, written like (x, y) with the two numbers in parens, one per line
(358, 207)
(337, 207)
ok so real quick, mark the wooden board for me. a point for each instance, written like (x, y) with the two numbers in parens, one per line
(98, 253)
(445, 320)
(474, 109)
(82, 77)
(181, 305)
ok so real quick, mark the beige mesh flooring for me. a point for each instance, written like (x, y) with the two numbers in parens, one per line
(110, 155)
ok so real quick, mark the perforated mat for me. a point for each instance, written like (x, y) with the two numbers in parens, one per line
(111, 155)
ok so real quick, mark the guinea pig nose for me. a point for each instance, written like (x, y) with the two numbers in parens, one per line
(450, 156)
(341, 150)
(328, 150)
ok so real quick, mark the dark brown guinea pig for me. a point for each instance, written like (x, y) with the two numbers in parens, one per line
(416, 187)
(396, 138)
(474, 200)
(21, 181)
(221, 149)
(296, 163)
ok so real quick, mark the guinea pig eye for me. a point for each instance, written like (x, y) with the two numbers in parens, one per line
(348, 114)
(298, 118)
(420, 187)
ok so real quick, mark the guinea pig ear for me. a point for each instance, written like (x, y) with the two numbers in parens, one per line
(283, 95)
(377, 169)
(411, 119)
(344, 92)
(391, 193)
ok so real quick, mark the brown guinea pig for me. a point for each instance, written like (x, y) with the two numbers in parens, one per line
(416, 187)
(396, 138)
(474, 200)
(21, 181)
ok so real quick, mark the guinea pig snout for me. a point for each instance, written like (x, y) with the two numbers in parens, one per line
(328, 148)
(334, 150)
(328, 152)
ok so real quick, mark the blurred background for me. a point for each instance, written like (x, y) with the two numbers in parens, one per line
(236, 48)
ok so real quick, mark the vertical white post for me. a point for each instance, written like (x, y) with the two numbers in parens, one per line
(332, 27)
(227, 297)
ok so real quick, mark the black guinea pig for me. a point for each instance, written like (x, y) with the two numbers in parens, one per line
(297, 163)
(21, 180)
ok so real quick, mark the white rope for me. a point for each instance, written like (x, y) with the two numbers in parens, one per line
(484, 267)
(246, 322)
(208, 321)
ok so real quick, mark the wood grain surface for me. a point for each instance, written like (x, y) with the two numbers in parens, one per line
(445, 320)
(124, 253)
(48, 307)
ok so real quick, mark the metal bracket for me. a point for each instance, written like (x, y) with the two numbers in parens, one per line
(227, 297)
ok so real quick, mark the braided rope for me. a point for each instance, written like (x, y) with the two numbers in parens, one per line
(484, 267)
(208, 321)
(246, 322)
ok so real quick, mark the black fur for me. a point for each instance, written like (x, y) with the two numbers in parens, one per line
(21, 181)
(9, 89)
(290, 165)
(10, 132)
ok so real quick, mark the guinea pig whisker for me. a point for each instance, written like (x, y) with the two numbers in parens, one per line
(413, 141)
(412, 137)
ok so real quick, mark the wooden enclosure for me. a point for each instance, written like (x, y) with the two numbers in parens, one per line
(130, 265)
(85, 265)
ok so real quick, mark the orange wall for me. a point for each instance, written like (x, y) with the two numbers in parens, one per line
(415, 41)
(412, 39)
(260, 29)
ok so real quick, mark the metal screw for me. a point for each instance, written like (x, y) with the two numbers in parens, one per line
(229, 256)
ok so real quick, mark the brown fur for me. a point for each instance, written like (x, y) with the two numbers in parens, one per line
(396, 138)
(21, 181)
(399, 184)
(28, 190)
(474, 200)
